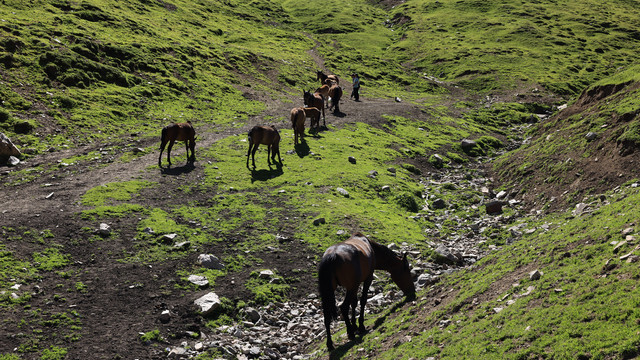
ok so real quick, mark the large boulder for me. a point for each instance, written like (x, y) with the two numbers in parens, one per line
(7, 148)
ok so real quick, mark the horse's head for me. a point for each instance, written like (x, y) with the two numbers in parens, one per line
(319, 74)
(401, 275)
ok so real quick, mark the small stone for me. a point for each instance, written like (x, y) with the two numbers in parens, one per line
(104, 230)
(13, 161)
(207, 303)
(591, 136)
(319, 221)
(168, 238)
(342, 192)
(165, 316)
(535, 275)
(266, 274)
(352, 159)
(210, 261)
(494, 207)
(198, 280)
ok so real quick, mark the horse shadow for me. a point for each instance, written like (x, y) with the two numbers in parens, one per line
(339, 114)
(185, 169)
(264, 174)
(302, 149)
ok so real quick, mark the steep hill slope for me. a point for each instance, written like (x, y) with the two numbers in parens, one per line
(588, 148)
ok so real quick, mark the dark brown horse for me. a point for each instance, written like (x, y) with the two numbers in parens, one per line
(335, 94)
(297, 123)
(320, 75)
(265, 135)
(350, 263)
(178, 132)
(314, 100)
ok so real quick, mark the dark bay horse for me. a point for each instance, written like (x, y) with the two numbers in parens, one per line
(350, 263)
(320, 75)
(265, 135)
(178, 132)
(297, 123)
(314, 100)
(335, 94)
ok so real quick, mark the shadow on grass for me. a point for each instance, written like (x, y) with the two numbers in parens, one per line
(264, 174)
(185, 169)
(302, 149)
(340, 351)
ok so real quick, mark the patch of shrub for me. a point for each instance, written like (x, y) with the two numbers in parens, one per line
(66, 102)
(407, 201)
(412, 168)
(23, 127)
(5, 116)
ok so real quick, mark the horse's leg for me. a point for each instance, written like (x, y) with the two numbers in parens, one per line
(268, 154)
(344, 308)
(363, 302)
(192, 144)
(327, 326)
(249, 152)
(162, 145)
(253, 154)
(169, 150)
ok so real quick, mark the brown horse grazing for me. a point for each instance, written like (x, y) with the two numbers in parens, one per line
(314, 100)
(178, 132)
(320, 75)
(297, 123)
(335, 94)
(265, 135)
(314, 115)
(350, 263)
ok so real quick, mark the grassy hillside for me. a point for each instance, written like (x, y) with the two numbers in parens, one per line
(84, 83)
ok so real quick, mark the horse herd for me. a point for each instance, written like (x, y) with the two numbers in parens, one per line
(347, 264)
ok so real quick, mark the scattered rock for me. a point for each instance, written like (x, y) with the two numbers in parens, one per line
(165, 316)
(494, 207)
(468, 145)
(7, 148)
(198, 280)
(319, 221)
(13, 161)
(438, 204)
(591, 136)
(535, 275)
(104, 230)
(168, 238)
(266, 274)
(210, 261)
(207, 303)
(352, 159)
(342, 192)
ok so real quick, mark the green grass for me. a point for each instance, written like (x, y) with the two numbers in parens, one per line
(578, 309)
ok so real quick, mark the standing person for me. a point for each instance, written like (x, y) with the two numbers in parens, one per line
(356, 87)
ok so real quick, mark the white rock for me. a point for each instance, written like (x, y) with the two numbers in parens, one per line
(208, 303)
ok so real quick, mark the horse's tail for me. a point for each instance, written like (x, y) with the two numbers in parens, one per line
(249, 135)
(163, 138)
(325, 286)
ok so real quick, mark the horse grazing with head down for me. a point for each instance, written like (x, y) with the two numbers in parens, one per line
(265, 135)
(297, 123)
(314, 100)
(350, 263)
(178, 132)
(320, 75)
